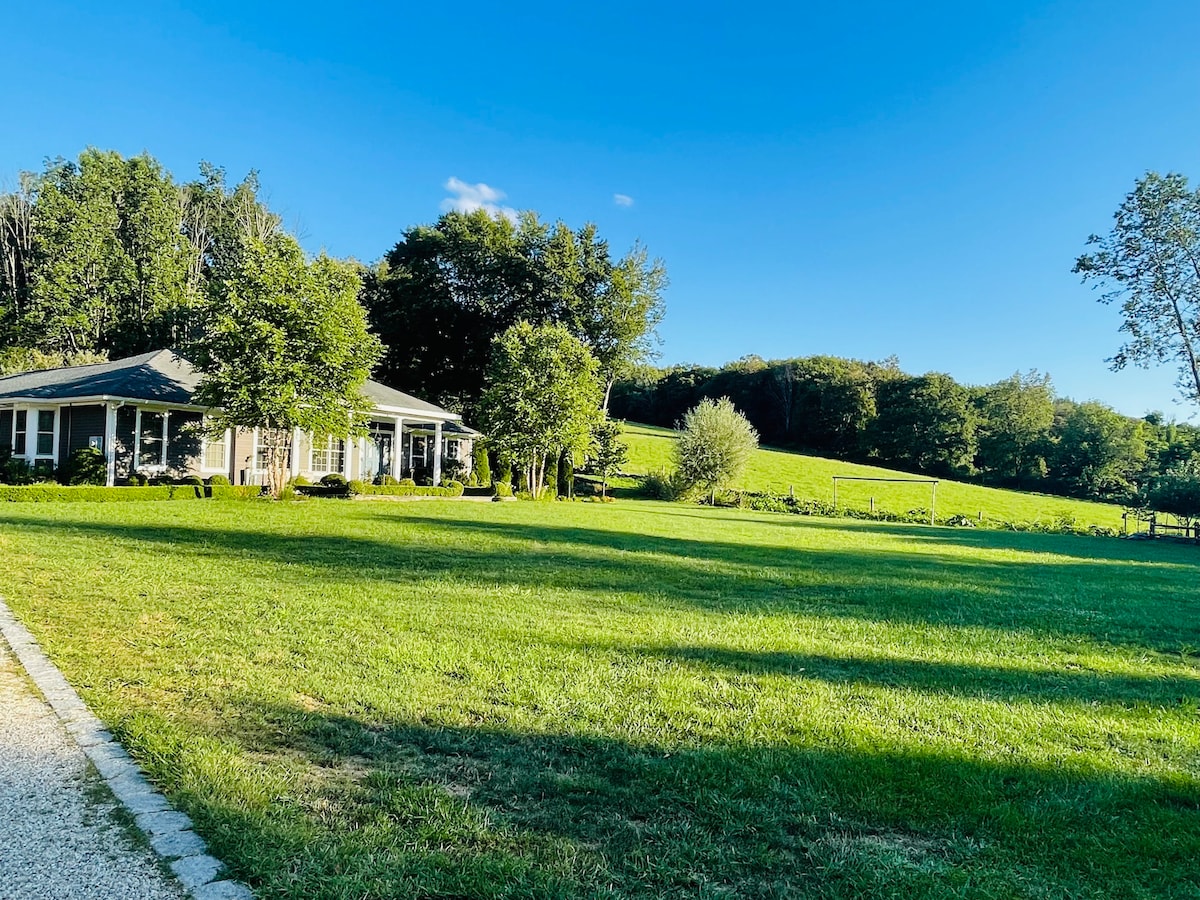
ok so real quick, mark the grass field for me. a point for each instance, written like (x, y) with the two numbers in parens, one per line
(456, 700)
(811, 476)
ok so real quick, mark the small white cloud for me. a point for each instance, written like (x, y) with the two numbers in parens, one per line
(470, 197)
(623, 200)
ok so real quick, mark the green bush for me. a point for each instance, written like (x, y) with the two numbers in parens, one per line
(50, 493)
(388, 481)
(333, 479)
(454, 487)
(300, 481)
(13, 469)
(139, 479)
(219, 481)
(235, 491)
(659, 487)
(451, 489)
(194, 480)
(406, 482)
(502, 489)
(357, 486)
(86, 465)
(523, 495)
(288, 492)
(503, 470)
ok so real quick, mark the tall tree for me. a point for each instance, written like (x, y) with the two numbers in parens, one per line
(541, 397)
(285, 346)
(1016, 415)
(1150, 261)
(926, 423)
(1098, 452)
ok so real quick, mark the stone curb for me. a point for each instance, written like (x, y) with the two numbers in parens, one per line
(169, 832)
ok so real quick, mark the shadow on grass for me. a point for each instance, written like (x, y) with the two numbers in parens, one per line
(1004, 684)
(1130, 602)
(427, 810)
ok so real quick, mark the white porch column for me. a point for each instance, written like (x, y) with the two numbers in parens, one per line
(437, 454)
(110, 443)
(295, 466)
(166, 450)
(396, 441)
(137, 439)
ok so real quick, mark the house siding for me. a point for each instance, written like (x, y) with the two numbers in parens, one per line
(183, 442)
(76, 424)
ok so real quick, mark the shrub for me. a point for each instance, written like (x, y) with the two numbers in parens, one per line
(300, 481)
(472, 479)
(218, 481)
(86, 465)
(502, 489)
(194, 480)
(138, 478)
(480, 465)
(288, 492)
(659, 487)
(503, 470)
(13, 469)
(356, 486)
(523, 495)
(333, 479)
(715, 443)
(408, 482)
(454, 487)
(388, 480)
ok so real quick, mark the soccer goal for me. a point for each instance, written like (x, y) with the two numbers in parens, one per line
(932, 482)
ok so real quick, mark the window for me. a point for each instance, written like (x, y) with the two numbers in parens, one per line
(150, 439)
(328, 455)
(21, 438)
(214, 452)
(45, 432)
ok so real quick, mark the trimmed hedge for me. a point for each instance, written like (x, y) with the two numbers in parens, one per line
(55, 493)
(454, 489)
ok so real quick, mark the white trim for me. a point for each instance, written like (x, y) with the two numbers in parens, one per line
(96, 399)
(417, 413)
(110, 443)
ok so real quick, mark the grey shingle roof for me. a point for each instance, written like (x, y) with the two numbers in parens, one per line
(161, 376)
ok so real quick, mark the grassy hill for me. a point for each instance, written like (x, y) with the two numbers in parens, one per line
(811, 476)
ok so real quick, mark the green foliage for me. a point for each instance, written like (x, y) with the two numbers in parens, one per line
(715, 443)
(356, 486)
(450, 489)
(1016, 416)
(480, 465)
(502, 488)
(448, 290)
(285, 346)
(1177, 491)
(407, 482)
(925, 423)
(49, 493)
(660, 487)
(1149, 263)
(1099, 452)
(218, 481)
(15, 359)
(542, 396)
(334, 479)
(608, 452)
(14, 469)
(388, 480)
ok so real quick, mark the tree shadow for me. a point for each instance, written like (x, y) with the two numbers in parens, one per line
(422, 808)
(1064, 597)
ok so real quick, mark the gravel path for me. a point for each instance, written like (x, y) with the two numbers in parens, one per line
(58, 836)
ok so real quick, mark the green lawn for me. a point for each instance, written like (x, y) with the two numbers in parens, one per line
(460, 700)
(811, 476)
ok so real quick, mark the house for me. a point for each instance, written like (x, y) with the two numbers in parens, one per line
(140, 412)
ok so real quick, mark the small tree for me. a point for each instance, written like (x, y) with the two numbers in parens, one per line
(1177, 491)
(285, 346)
(479, 463)
(609, 452)
(542, 396)
(715, 443)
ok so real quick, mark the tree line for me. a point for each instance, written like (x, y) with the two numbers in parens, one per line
(1015, 433)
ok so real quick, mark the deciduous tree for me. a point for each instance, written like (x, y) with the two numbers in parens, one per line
(285, 346)
(541, 397)
(715, 443)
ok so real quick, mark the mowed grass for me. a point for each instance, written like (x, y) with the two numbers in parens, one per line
(445, 699)
(650, 450)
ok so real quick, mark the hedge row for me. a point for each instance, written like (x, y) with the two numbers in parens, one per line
(50, 493)
(407, 490)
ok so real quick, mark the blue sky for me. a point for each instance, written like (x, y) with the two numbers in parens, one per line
(857, 180)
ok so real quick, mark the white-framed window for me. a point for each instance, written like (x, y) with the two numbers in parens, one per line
(262, 454)
(214, 453)
(328, 455)
(152, 439)
(20, 432)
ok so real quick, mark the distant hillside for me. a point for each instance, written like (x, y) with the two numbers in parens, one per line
(811, 476)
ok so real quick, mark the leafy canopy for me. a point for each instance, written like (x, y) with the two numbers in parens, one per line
(542, 396)
(715, 443)
(1150, 261)
(285, 344)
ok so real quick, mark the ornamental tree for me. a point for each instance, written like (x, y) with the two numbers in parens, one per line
(715, 443)
(541, 397)
(608, 452)
(285, 346)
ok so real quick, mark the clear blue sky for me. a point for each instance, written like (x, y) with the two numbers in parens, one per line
(909, 179)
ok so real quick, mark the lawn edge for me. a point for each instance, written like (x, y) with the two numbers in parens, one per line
(168, 832)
